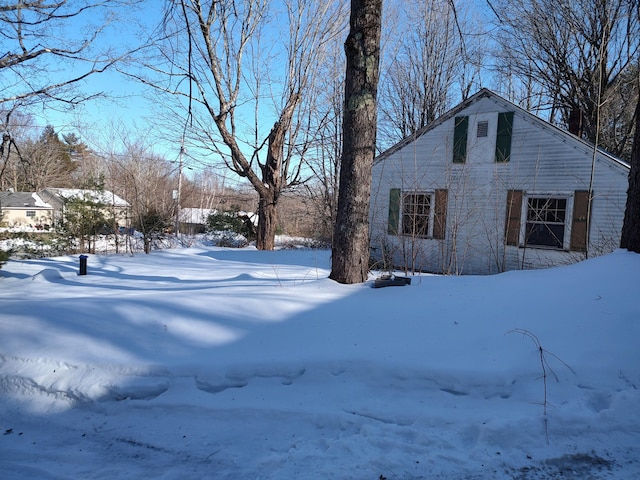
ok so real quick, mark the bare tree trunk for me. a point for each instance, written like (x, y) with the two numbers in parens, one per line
(273, 182)
(350, 258)
(631, 227)
(267, 222)
(223, 60)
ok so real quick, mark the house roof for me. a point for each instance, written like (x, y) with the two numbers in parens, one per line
(105, 197)
(486, 93)
(22, 200)
(195, 215)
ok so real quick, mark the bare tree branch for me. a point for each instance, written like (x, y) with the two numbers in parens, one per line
(218, 47)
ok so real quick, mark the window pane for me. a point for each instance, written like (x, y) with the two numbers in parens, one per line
(546, 222)
(415, 214)
(545, 235)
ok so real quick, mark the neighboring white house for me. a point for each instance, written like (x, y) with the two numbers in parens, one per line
(489, 187)
(194, 220)
(113, 205)
(25, 210)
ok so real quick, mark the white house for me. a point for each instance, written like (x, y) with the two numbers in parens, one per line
(489, 187)
(113, 205)
(194, 220)
(22, 210)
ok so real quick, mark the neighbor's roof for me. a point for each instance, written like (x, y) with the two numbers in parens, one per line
(195, 215)
(105, 197)
(17, 200)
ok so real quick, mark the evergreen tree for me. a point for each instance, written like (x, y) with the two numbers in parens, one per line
(86, 214)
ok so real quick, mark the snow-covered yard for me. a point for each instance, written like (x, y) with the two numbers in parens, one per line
(212, 363)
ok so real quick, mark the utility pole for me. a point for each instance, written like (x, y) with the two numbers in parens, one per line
(178, 193)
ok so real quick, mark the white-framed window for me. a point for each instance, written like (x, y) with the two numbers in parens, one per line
(556, 220)
(546, 221)
(417, 214)
(31, 213)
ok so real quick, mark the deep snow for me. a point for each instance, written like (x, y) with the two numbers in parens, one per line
(218, 363)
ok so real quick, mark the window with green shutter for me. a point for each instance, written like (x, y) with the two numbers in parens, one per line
(460, 139)
(503, 137)
(416, 214)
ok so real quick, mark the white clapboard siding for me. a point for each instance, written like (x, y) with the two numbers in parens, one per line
(544, 161)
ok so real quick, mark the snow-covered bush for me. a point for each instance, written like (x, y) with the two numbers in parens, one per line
(226, 238)
(231, 221)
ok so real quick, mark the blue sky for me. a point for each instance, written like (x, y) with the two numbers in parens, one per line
(123, 105)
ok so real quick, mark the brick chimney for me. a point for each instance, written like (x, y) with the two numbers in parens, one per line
(576, 122)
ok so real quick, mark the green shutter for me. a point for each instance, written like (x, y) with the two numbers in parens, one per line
(394, 211)
(512, 224)
(503, 138)
(460, 139)
(579, 221)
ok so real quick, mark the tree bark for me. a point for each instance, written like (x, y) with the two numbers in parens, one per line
(273, 179)
(267, 222)
(350, 255)
(631, 227)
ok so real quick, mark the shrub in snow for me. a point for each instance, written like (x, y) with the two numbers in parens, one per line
(228, 239)
(4, 256)
(286, 243)
(231, 221)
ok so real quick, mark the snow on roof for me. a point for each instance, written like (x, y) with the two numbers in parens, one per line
(105, 196)
(39, 202)
(22, 200)
(195, 215)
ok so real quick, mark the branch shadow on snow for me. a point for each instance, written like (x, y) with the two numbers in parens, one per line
(295, 333)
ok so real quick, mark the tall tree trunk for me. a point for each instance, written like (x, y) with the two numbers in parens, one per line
(631, 227)
(267, 222)
(350, 255)
(274, 181)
